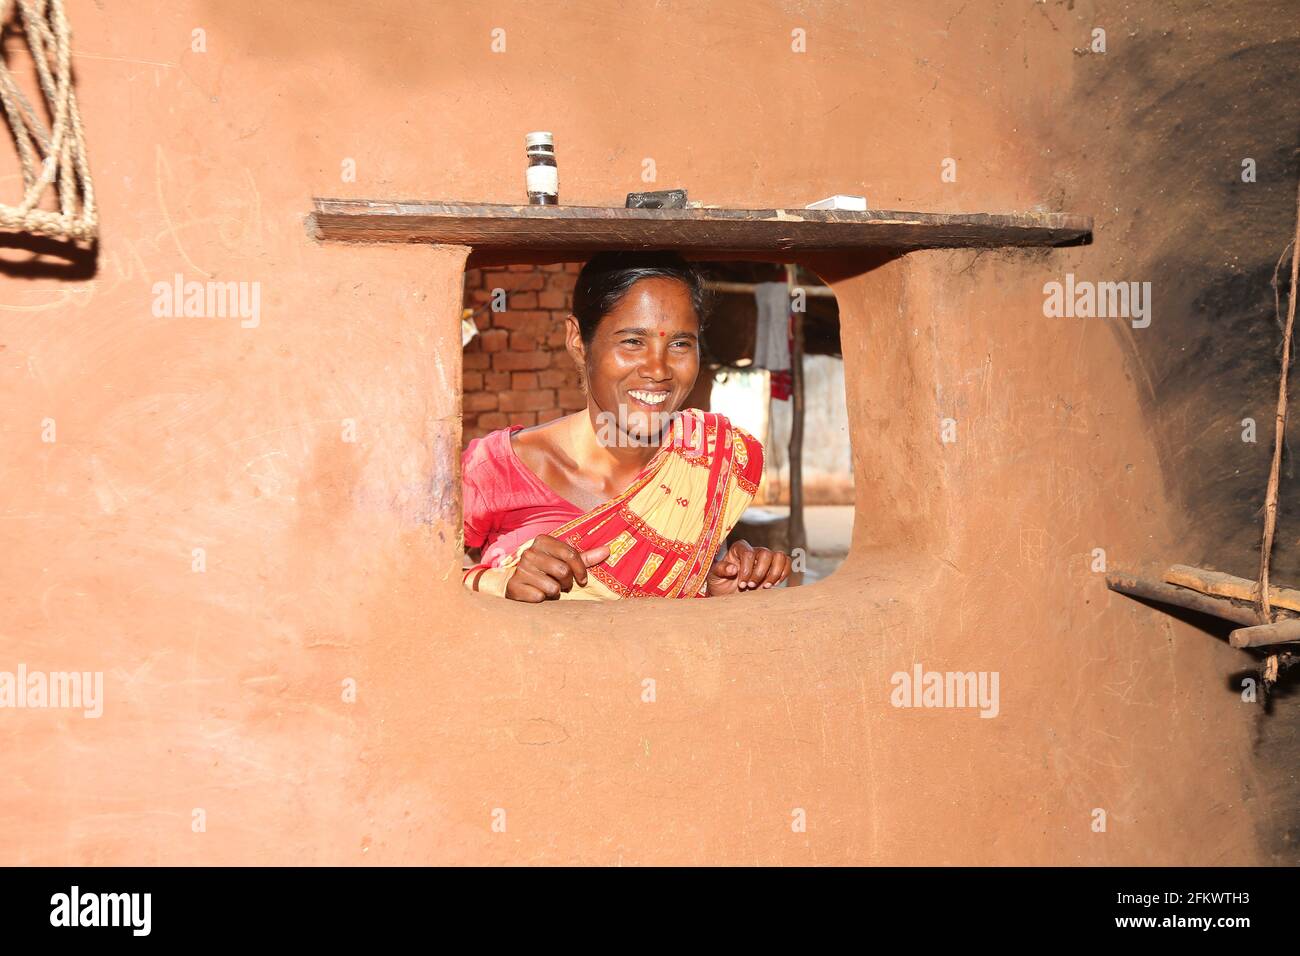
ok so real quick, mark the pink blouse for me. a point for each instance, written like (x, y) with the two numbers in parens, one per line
(505, 503)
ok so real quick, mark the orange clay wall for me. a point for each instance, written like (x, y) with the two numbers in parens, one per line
(313, 458)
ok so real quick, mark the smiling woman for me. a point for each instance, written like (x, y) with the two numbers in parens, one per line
(633, 496)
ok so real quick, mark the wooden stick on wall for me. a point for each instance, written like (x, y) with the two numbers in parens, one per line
(1264, 635)
(1182, 597)
(1227, 585)
(797, 533)
(1279, 435)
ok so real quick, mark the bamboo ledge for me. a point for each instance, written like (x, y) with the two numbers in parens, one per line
(1223, 596)
(584, 230)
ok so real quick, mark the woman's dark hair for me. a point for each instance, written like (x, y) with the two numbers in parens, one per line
(607, 277)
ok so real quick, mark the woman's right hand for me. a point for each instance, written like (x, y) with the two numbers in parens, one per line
(549, 568)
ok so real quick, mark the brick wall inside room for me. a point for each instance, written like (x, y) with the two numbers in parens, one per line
(517, 371)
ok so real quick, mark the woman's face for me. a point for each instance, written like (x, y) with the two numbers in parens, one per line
(643, 360)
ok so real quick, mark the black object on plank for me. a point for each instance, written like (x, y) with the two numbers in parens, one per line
(662, 199)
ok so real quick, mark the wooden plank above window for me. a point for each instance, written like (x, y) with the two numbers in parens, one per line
(578, 231)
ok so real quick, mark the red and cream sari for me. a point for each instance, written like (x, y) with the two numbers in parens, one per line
(666, 528)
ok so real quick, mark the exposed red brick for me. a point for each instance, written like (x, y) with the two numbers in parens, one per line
(523, 341)
(523, 418)
(530, 401)
(519, 361)
(496, 381)
(552, 300)
(522, 267)
(523, 381)
(574, 267)
(480, 401)
(476, 359)
(551, 378)
(492, 420)
(555, 338)
(553, 267)
(521, 320)
(494, 340)
(523, 300)
(549, 415)
(473, 381)
(561, 282)
(516, 281)
(572, 398)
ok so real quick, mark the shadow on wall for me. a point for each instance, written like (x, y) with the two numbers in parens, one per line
(1205, 199)
(1210, 125)
(38, 257)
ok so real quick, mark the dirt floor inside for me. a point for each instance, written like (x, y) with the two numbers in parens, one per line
(332, 563)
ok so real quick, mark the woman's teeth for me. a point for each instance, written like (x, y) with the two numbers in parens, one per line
(649, 398)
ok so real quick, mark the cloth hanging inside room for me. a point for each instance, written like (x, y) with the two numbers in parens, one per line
(782, 385)
(772, 343)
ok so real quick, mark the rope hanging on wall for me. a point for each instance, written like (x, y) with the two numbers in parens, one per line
(50, 157)
(1271, 665)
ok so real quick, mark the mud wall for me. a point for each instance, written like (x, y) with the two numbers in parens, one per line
(328, 560)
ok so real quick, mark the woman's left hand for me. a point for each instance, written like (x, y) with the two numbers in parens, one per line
(745, 568)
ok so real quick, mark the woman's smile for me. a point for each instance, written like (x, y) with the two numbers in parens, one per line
(650, 398)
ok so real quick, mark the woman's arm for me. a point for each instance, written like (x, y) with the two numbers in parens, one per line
(547, 569)
(479, 520)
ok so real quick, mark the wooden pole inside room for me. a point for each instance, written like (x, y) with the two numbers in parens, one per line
(798, 537)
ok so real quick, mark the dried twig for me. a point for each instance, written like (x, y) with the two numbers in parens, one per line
(1270, 494)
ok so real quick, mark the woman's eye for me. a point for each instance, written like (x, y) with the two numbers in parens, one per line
(631, 342)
